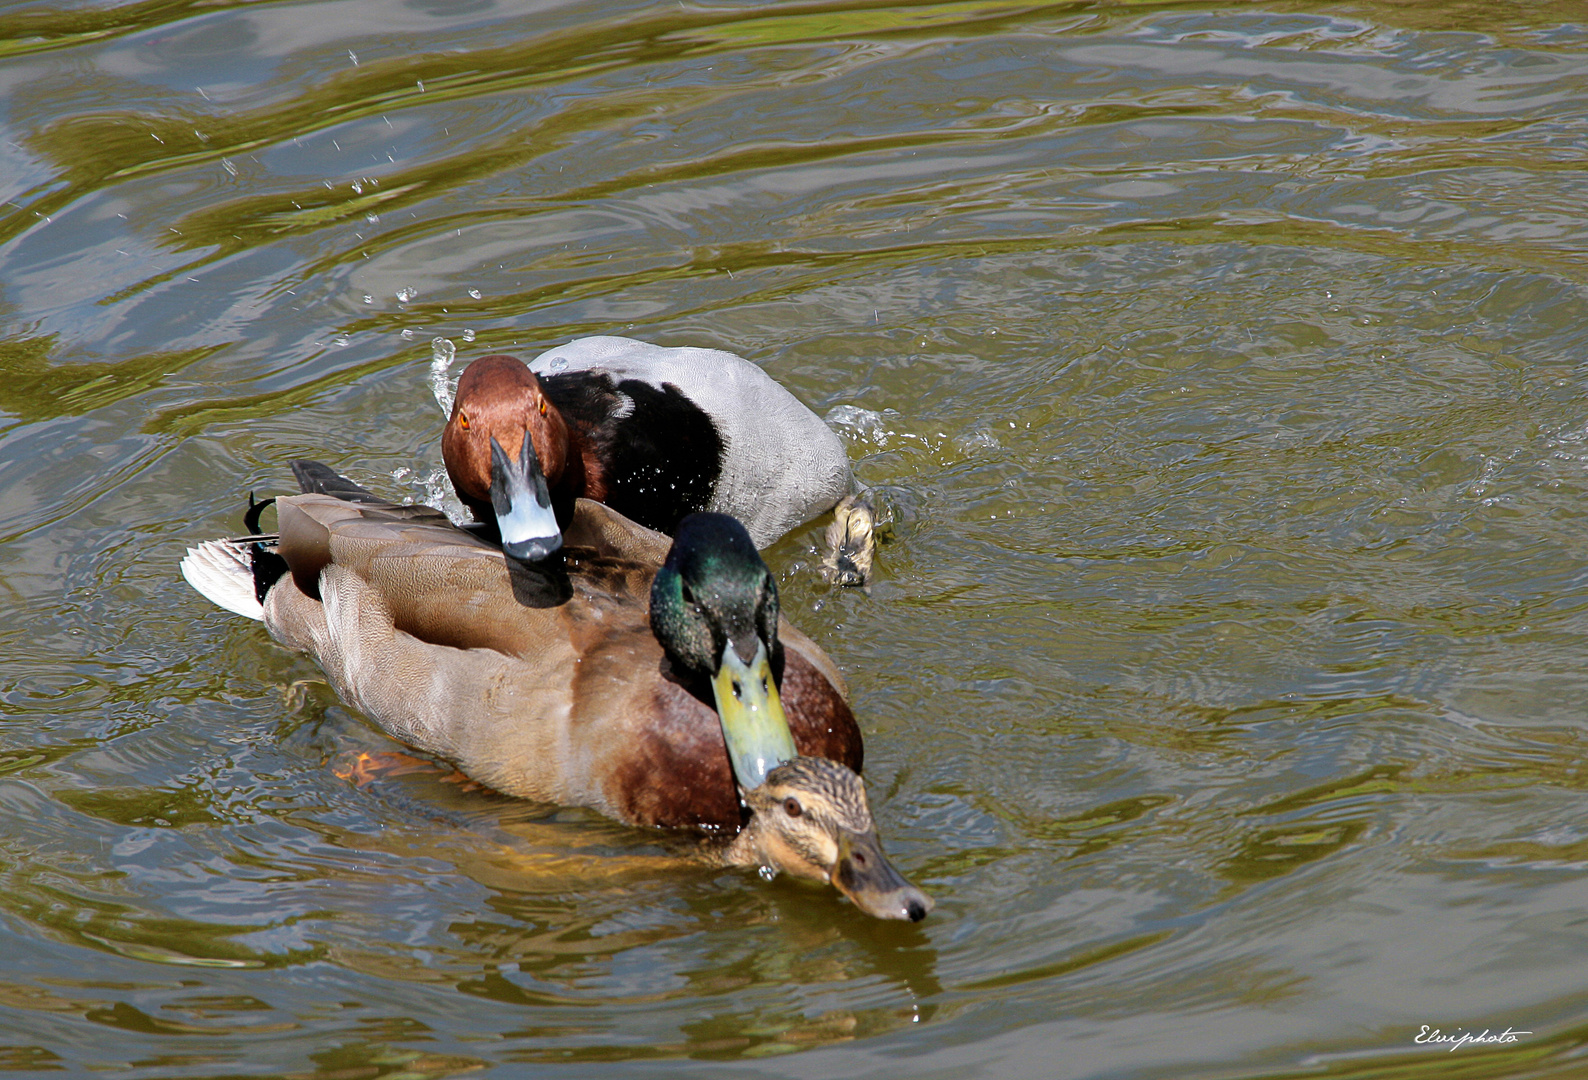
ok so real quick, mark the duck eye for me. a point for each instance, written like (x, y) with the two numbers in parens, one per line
(463, 421)
(543, 406)
(792, 807)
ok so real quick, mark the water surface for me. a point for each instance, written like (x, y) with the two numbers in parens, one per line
(1222, 368)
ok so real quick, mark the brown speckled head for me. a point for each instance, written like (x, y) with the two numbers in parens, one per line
(811, 819)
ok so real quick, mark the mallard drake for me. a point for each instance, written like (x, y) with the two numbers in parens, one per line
(589, 680)
(656, 433)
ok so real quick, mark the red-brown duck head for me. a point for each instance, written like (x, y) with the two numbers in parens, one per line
(508, 452)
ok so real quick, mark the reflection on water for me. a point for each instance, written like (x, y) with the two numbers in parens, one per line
(1219, 369)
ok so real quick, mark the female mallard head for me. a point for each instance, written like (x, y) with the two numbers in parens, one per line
(811, 819)
(714, 610)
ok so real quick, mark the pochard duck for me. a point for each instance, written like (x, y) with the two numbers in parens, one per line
(652, 681)
(656, 433)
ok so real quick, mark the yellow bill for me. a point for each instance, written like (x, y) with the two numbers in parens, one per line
(753, 722)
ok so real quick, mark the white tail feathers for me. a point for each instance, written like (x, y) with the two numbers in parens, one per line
(223, 571)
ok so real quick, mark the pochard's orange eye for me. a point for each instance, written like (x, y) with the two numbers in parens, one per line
(543, 406)
(463, 421)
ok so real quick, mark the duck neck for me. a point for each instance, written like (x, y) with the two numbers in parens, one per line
(573, 482)
(585, 459)
(741, 850)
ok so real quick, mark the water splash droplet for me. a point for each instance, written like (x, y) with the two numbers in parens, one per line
(407, 335)
(860, 423)
(980, 439)
(442, 353)
(372, 217)
(559, 364)
(226, 163)
(358, 188)
(368, 299)
(468, 335)
(767, 873)
(405, 294)
(474, 293)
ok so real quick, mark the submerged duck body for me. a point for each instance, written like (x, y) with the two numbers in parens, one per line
(657, 433)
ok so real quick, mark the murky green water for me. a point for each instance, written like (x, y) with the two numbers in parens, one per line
(1225, 680)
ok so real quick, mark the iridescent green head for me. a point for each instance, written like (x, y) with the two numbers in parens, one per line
(714, 610)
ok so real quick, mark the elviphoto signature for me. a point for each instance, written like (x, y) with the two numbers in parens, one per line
(1466, 1038)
